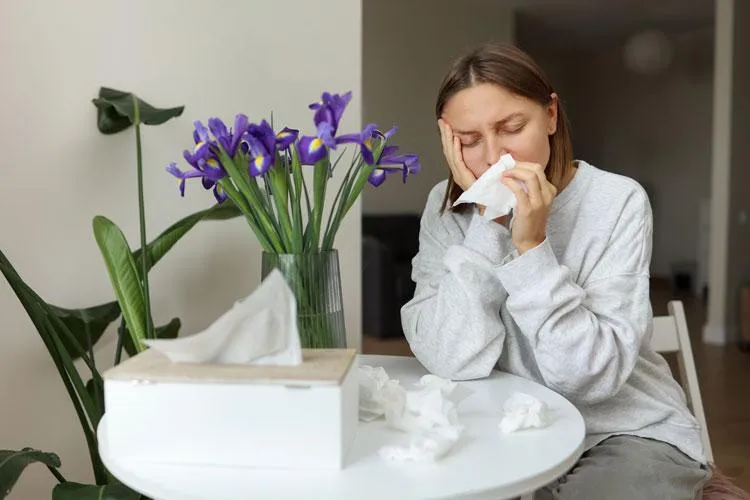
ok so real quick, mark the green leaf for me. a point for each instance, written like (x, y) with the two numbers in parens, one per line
(48, 327)
(116, 111)
(13, 463)
(123, 275)
(168, 331)
(170, 236)
(95, 389)
(91, 321)
(78, 491)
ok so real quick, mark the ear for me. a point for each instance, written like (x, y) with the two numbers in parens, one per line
(551, 114)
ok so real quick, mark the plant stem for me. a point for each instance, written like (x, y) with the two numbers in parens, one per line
(142, 220)
(60, 478)
(118, 349)
(327, 237)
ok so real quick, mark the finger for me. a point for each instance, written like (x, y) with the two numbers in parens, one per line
(444, 138)
(548, 189)
(458, 155)
(530, 179)
(522, 198)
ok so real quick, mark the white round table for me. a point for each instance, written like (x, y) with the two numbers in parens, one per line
(484, 464)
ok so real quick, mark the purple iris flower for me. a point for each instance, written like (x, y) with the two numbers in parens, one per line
(311, 150)
(365, 141)
(208, 170)
(183, 176)
(328, 113)
(202, 144)
(229, 139)
(261, 143)
(390, 162)
(286, 137)
(212, 173)
(330, 109)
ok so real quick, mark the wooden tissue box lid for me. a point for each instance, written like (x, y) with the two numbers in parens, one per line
(318, 367)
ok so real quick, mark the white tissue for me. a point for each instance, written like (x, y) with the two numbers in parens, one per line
(490, 191)
(260, 329)
(522, 411)
(377, 393)
(427, 413)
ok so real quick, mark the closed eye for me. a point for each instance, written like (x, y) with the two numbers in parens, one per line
(512, 127)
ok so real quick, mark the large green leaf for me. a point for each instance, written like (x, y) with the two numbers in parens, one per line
(123, 275)
(87, 325)
(95, 320)
(116, 111)
(13, 463)
(168, 331)
(170, 236)
(50, 329)
(78, 491)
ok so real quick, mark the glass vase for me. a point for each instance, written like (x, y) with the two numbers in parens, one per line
(315, 280)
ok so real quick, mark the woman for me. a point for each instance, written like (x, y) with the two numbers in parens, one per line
(562, 296)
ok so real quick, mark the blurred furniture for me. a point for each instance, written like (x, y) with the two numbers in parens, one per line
(389, 243)
(671, 336)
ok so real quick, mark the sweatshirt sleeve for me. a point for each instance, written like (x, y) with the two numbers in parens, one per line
(587, 338)
(453, 323)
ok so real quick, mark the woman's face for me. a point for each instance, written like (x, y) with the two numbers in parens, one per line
(490, 121)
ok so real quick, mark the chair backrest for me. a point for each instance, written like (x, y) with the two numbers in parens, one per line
(671, 336)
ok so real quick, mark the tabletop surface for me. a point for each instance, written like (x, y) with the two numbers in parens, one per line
(484, 463)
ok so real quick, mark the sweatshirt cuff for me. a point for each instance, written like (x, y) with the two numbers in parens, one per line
(531, 267)
(488, 238)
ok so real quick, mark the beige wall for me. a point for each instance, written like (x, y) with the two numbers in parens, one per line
(653, 128)
(401, 73)
(58, 171)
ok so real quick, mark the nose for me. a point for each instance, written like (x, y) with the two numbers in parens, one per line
(494, 151)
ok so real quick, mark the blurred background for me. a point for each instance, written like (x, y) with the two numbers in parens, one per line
(654, 90)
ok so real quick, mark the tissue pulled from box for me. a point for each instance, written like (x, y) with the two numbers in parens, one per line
(427, 413)
(259, 329)
(490, 191)
(522, 411)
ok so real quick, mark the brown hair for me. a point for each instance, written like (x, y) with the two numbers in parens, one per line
(511, 68)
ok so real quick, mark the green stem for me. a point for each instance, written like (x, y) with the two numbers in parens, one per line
(251, 193)
(60, 478)
(321, 172)
(142, 220)
(278, 179)
(118, 349)
(241, 202)
(296, 170)
(343, 187)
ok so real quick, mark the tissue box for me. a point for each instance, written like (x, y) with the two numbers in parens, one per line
(292, 417)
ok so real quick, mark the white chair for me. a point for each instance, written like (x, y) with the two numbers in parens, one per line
(671, 336)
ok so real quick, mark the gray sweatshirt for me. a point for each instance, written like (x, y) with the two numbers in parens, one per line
(573, 314)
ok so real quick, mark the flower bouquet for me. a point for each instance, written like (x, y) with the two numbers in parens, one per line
(267, 175)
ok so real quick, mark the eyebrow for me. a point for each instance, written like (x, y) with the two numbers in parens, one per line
(499, 122)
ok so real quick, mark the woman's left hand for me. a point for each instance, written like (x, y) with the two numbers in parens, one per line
(532, 204)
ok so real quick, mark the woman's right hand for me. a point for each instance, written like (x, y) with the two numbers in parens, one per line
(452, 151)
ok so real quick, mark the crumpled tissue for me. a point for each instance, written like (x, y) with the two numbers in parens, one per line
(490, 191)
(522, 411)
(259, 329)
(427, 413)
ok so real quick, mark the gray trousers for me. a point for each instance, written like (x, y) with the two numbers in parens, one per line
(630, 468)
